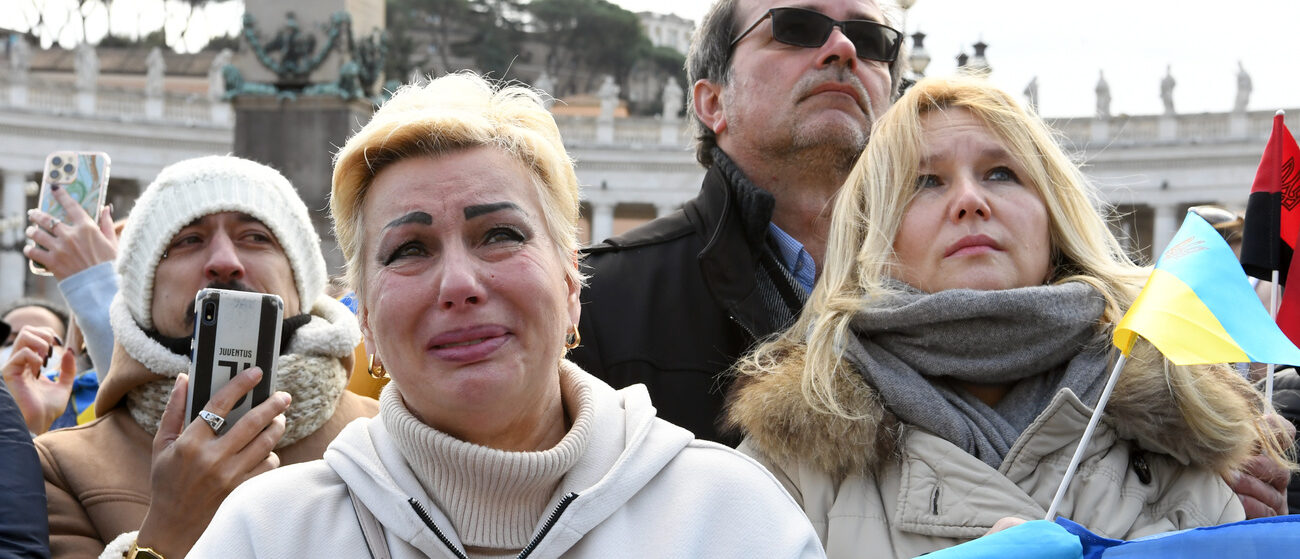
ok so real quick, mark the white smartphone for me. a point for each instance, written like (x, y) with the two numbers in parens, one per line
(233, 331)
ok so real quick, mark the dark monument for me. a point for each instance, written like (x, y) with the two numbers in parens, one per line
(296, 124)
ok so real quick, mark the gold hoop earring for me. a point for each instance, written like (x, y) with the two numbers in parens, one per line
(376, 371)
(573, 338)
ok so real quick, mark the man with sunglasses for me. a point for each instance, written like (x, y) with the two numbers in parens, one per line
(783, 99)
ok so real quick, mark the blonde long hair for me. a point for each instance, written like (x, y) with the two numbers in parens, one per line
(867, 215)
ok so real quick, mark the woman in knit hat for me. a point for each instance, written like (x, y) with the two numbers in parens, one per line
(945, 367)
(457, 209)
(208, 222)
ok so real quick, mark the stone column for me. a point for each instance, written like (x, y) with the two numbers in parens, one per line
(153, 87)
(1163, 227)
(602, 221)
(670, 132)
(1168, 128)
(20, 61)
(219, 108)
(1100, 130)
(13, 215)
(1238, 124)
(18, 94)
(604, 131)
(299, 138)
(86, 66)
(153, 108)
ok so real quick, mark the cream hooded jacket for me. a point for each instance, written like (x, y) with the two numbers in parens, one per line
(879, 488)
(662, 494)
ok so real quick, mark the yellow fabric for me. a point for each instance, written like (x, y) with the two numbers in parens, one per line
(86, 416)
(1170, 315)
(360, 382)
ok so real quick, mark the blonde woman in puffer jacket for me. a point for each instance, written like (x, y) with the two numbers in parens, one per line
(947, 362)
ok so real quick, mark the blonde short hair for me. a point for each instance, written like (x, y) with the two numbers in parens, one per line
(452, 113)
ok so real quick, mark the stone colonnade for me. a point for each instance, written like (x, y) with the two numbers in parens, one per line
(13, 219)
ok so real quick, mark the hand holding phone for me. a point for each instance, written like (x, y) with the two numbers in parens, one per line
(193, 470)
(73, 188)
(233, 331)
(81, 242)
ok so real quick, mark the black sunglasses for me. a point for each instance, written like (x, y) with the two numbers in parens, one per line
(806, 28)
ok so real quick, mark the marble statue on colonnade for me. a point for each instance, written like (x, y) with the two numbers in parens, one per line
(1243, 89)
(87, 67)
(1031, 94)
(155, 66)
(1103, 96)
(20, 59)
(672, 98)
(1167, 90)
(608, 94)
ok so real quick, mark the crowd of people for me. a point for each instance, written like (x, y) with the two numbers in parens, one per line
(878, 331)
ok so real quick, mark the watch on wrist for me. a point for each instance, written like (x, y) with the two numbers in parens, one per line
(137, 552)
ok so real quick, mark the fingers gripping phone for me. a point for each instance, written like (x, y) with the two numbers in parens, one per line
(233, 331)
(83, 175)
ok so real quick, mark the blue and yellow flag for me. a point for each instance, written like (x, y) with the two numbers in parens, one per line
(1198, 307)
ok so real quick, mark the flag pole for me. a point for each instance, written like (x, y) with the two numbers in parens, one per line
(1272, 312)
(1087, 436)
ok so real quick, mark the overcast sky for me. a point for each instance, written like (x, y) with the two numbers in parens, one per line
(1065, 44)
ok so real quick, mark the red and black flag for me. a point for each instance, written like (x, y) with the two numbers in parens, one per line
(1273, 211)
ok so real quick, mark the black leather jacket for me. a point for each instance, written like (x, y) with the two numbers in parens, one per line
(673, 303)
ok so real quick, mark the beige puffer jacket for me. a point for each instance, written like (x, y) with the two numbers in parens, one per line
(883, 489)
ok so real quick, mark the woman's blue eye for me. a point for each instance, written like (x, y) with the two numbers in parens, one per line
(927, 181)
(1003, 174)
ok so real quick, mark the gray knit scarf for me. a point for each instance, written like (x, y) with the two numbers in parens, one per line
(1039, 339)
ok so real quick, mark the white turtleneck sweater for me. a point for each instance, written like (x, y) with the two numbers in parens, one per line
(494, 498)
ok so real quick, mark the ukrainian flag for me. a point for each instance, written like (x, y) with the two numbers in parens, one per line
(1198, 307)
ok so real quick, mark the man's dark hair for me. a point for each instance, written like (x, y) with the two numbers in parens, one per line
(710, 59)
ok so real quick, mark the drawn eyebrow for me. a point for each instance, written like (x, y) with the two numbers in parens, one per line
(472, 212)
(413, 217)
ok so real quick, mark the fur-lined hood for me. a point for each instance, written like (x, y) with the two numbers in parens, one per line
(778, 421)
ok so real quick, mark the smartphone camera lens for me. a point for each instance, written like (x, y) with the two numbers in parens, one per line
(55, 174)
(209, 312)
(68, 168)
(56, 161)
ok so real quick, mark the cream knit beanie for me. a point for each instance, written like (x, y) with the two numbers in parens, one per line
(191, 189)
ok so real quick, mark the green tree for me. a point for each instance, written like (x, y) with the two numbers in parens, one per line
(497, 35)
(489, 32)
(439, 19)
(587, 39)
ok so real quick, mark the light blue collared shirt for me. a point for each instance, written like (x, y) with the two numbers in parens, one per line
(795, 259)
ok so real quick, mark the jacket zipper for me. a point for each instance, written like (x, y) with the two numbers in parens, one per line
(424, 515)
(528, 549)
(550, 523)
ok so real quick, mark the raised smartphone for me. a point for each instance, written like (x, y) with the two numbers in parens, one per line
(83, 175)
(233, 331)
